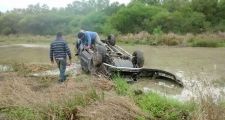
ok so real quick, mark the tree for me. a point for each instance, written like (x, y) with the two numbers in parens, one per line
(9, 23)
(94, 21)
(134, 18)
(149, 2)
(207, 7)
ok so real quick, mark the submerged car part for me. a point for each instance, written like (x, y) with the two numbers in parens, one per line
(136, 73)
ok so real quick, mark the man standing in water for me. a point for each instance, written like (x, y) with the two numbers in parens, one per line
(59, 50)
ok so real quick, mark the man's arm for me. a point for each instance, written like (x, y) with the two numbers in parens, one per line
(89, 40)
(68, 51)
(51, 53)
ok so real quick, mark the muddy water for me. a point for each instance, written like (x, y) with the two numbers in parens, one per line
(201, 69)
(30, 54)
(25, 53)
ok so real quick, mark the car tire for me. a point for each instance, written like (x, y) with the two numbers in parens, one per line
(138, 59)
(97, 59)
(101, 50)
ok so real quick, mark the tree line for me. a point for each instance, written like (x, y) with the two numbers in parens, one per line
(177, 16)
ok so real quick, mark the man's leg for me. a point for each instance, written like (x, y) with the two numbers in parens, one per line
(98, 40)
(62, 70)
(58, 64)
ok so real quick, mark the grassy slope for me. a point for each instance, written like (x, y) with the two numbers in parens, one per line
(88, 97)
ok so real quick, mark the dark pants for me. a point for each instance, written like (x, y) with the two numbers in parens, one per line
(62, 69)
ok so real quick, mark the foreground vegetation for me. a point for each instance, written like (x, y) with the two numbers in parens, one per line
(161, 107)
(89, 97)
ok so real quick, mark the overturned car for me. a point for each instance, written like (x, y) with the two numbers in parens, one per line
(112, 60)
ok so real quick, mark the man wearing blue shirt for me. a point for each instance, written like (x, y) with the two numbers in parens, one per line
(88, 39)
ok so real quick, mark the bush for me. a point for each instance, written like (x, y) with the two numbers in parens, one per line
(205, 43)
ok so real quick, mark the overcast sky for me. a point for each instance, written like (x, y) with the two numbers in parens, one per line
(10, 4)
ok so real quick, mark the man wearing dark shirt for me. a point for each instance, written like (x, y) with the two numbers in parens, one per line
(59, 50)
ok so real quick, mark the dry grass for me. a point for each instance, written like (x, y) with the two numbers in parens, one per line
(103, 84)
(208, 104)
(114, 108)
(171, 39)
(18, 91)
(207, 109)
(57, 101)
(32, 39)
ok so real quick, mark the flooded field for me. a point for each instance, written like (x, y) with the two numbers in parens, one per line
(202, 70)
(196, 67)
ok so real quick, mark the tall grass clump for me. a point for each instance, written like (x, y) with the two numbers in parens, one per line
(163, 108)
(65, 109)
(208, 109)
(210, 106)
(204, 43)
(69, 108)
(172, 39)
(121, 86)
(22, 113)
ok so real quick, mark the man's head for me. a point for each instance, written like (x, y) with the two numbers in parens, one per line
(59, 35)
(80, 35)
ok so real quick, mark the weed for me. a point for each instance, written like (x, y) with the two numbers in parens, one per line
(22, 113)
(205, 43)
(171, 39)
(68, 109)
(163, 108)
(122, 88)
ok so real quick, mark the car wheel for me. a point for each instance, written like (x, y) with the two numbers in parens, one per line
(97, 59)
(138, 59)
(101, 50)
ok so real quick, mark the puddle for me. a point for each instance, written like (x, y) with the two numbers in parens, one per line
(25, 45)
(5, 68)
(73, 69)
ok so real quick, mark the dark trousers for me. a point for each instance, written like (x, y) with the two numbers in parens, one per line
(62, 69)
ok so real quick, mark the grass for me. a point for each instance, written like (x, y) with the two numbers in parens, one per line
(171, 39)
(156, 106)
(206, 43)
(59, 111)
(143, 38)
(69, 108)
(41, 98)
(27, 69)
(164, 108)
(121, 86)
(29, 98)
(22, 113)
(160, 107)
(31, 39)
(59, 103)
